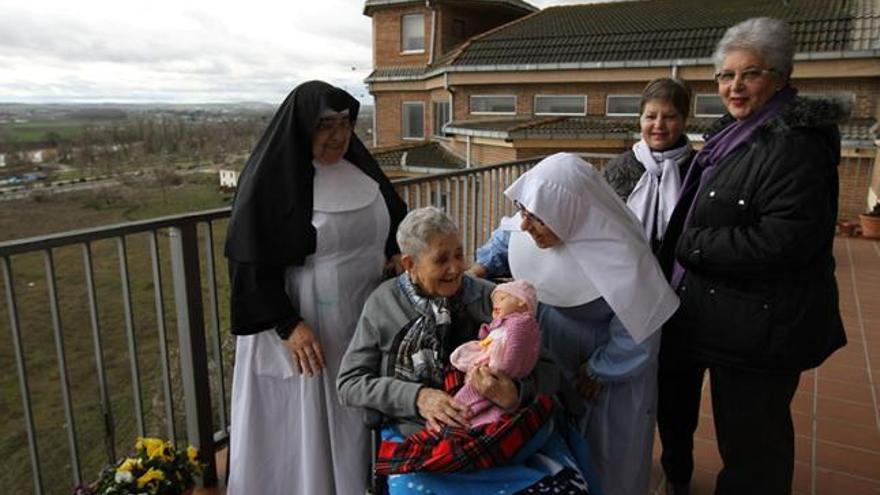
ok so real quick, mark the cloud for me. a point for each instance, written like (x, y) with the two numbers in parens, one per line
(182, 50)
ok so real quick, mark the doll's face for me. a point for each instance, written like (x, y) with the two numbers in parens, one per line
(504, 304)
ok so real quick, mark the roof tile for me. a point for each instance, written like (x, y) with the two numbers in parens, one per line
(667, 29)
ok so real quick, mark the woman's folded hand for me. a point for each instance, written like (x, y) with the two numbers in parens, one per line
(306, 349)
(440, 409)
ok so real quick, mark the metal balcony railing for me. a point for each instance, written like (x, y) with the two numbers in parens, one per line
(108, 317)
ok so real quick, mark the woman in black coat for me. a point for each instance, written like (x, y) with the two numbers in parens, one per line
(753, 265)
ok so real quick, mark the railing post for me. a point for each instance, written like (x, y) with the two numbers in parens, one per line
(193, 349)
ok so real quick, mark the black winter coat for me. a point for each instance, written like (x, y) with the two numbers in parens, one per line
(759, 292)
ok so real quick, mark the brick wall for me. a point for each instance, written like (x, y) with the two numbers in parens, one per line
(525, 95)
(473, 21)
(855, 177)
(389, 117)
(874, 188)
(386, 37)
(866, 91)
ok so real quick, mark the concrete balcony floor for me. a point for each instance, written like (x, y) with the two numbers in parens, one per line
(835, 410)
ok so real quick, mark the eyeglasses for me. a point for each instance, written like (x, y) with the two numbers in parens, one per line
(526, 214)
(747, 76)
(331, 124)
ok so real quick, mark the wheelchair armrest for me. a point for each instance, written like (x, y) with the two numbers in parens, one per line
(373, 419)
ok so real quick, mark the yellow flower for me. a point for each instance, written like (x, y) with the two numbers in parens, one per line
(129, 465)
(154, 447)
(192, 454)
(152, 475)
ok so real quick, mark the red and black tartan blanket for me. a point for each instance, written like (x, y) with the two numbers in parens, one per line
(459, 449)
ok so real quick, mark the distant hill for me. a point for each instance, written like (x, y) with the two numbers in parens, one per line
(103, 111)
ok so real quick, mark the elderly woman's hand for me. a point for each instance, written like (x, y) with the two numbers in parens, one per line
(306, 350)
(441, 409)
(495, 386)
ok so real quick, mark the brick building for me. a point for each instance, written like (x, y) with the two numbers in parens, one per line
(498, 80)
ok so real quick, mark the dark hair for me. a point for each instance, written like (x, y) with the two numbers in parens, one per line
(668, 89)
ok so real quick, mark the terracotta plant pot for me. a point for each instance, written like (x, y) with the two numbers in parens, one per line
(870, 226)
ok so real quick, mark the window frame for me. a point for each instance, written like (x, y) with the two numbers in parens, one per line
(471, 100)
(403, 116)
(437, 131)
(840, 95)
(708, 115)
(403, 50)
(616, 114)
(535, 105)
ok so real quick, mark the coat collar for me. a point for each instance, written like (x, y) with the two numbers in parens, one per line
(801, 112)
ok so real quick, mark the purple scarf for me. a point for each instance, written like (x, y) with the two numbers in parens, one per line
(718, 147)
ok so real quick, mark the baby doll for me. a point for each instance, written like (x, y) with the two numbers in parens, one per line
(510, 344)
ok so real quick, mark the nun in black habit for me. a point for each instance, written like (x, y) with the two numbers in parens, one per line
(312, 229)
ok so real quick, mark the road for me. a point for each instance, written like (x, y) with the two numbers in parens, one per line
(22, 192)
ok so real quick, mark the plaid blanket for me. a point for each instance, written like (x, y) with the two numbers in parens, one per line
(458, 449)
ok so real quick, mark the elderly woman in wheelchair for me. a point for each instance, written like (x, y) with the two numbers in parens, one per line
(398, 364)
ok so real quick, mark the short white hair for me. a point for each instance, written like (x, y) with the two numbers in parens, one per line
(768, 37)
(419, 225)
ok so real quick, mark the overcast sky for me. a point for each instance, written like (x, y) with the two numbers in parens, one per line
(181, 50)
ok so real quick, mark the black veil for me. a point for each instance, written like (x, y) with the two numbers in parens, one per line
(270, 226)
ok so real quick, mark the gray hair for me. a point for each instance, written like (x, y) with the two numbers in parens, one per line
(419, 225)
(768, 37)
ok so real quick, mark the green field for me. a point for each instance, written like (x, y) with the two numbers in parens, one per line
(41, 131)
(50, 213)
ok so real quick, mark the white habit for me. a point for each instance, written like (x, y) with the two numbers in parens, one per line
(290, 435)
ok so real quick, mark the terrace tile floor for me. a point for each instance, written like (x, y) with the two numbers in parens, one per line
(835, 410)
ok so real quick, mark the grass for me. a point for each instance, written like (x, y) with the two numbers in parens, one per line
(25, 218)
(39, 131)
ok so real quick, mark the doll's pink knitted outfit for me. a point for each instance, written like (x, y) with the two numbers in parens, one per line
(510, 344)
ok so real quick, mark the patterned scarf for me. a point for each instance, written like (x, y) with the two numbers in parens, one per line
(420, 356)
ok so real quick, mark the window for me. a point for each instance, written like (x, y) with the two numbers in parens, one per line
(441, 117)
(708, 105)
(458, 28)
(493, 104)
(560, 105)
(622, 105)
(413, 120)
(412, 33)
(843, 97)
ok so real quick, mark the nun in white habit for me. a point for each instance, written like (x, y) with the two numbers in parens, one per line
(603, 299)
(311, 230)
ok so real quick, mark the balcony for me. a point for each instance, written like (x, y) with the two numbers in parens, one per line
(122, 331)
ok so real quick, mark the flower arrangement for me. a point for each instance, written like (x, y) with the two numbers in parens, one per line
(155, 467)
